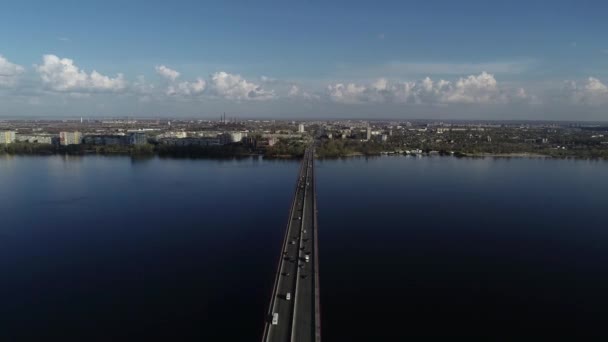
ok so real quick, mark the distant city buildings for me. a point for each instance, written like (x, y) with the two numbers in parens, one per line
(134, 138)
(174, 134)
(137, 138)
(259, 142)
(35, 138)
(256, 136)
(119, 122)
(230, 137)
(70, 138)
(105, 140)
(208, 138)
(7, 137)
(190, 141)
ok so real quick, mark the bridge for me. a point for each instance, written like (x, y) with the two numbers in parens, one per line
(294, 312)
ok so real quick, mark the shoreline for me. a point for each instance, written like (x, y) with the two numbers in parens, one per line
(152, 154)
(520, 155)
(508, 155)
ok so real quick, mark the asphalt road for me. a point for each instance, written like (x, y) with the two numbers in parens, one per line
(298, 318)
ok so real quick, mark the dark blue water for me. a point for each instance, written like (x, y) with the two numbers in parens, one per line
(505, 249)
(98, 248)
(105, 249)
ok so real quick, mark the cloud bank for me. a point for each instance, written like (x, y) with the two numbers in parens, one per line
(235, 87)
(187, 88)
(167, 72)
(590, 92)
(61, 74)
(60, 80)
(473, 89)
(9, 72)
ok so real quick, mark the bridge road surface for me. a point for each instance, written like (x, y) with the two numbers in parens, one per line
(299, 317)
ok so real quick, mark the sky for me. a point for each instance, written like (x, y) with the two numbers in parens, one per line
(508, 60)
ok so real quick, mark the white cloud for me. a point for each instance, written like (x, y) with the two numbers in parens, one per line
(418, 69)
(234, 87)
(187, 88)
(347, 93)
(295, 92)
(9, 72)
(167, 72)
(592, 92)
(184, 88)
(473, 89)
(60, 74)
(141, 86)
(595, 86)
(479, 89)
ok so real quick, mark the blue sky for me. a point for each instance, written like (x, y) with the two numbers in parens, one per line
(402, 59)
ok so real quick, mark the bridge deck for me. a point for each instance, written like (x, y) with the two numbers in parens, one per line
(298, 317)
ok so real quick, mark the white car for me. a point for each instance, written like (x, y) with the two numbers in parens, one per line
(275, 318)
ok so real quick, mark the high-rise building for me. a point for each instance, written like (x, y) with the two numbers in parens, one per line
(35, 138)
(368, 134)
(230, 137)
(7, 137)
(137, 138)
(301, 128)
(70, 138)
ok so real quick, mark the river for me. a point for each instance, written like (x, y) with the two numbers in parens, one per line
(113, 248)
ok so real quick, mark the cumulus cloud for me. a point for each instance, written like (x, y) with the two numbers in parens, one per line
(234, 87)
(9, 72)
(184, 88)
(349, 93)
(295, 92)
(479, 89)
(592, 91)
(61, 74)
(402, 69)
(142, 86)
(187, 88)
(167, 72)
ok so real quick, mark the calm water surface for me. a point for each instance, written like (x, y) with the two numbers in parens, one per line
(99, 248)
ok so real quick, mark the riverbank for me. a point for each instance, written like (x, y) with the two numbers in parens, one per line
(465, 155)
(241, 151)
(507, 155)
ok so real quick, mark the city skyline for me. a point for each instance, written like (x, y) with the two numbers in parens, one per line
(403, 60)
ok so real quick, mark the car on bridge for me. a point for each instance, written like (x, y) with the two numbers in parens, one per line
(275, 318)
